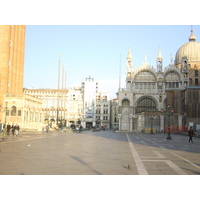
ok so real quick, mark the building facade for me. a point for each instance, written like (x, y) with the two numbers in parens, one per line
(54, 104)
(114, 120)
(149, 90)
(25, 110)
(81, 105)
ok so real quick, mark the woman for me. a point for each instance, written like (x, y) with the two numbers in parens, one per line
(17, 129)
(191, 134)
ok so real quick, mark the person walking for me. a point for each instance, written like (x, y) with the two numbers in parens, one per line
(0, 126)
(47, 128)
(191, 134)
(13, 129)
(8, 128)
(17, 128)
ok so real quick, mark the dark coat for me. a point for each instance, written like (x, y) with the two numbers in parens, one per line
(8, 127)
(191, 133)
(17, 127)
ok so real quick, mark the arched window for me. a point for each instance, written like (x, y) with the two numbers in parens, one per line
(196, 73)
(13, 111)
(145, 104)
(125, 102)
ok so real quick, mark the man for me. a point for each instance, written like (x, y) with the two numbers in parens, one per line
(8, 129)
(17, 128)
(13, 129)
(191, 134)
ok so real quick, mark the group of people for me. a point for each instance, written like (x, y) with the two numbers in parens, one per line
(77, 128)
(14, 129)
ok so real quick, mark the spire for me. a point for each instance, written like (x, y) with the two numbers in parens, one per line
(192, 36)
(129, 64)
(129, 55)
(159, 61)
(159, 55)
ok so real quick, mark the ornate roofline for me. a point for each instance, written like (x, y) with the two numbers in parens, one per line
(144, 67)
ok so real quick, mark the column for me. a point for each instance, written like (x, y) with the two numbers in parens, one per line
(180, 117)
(161, 123)
(131, 122)
(119, 117)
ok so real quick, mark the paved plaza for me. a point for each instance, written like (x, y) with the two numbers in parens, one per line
(98, 153)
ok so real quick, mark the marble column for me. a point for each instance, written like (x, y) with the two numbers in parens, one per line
(180, 117)
(161, 123)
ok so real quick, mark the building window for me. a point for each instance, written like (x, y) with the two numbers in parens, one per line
(145, 104)
(196, 81)
(13, 111)
(98, 111)
(19, 112)
(105, 117)
(190, 81)
(196, 73)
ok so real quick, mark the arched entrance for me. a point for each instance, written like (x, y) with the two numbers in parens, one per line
(125, 122)
(146, 104)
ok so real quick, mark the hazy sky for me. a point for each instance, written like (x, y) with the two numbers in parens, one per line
(94, 50)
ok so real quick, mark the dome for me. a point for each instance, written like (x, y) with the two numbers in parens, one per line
(190, 49)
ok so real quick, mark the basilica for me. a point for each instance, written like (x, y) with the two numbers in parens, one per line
(162, 98)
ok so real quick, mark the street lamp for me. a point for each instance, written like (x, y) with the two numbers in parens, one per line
(152, 118)
(169, 112)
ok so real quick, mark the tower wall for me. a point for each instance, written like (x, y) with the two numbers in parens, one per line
(12, 47)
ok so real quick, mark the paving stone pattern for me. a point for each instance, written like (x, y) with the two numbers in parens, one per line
(98, 153)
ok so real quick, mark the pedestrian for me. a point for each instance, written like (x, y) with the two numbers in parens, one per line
(0, 126)
(13, 129)
(81, 128)
(47, 128)
(8, 128)
(191, 134)
(17, 128)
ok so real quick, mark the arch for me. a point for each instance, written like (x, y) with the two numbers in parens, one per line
(125, 102)
(146, 104)
(171, 76)
(145, 76)
(125, 98)
(125, 122)
(13, 111)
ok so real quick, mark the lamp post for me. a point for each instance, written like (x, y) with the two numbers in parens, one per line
(6, 103)
(6, 111)
(169, 112)
(152, 117)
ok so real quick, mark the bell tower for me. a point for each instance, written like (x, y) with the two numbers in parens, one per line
(12, 46)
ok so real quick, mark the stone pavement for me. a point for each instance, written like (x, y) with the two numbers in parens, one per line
(98, 153)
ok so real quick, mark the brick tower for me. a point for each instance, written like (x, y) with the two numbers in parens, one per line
(12, 46)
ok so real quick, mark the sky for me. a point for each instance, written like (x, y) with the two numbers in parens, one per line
(99, 51)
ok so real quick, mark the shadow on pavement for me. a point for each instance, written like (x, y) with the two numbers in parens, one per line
(84, 163)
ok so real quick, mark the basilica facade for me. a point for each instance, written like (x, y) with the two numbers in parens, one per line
(150, 92)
